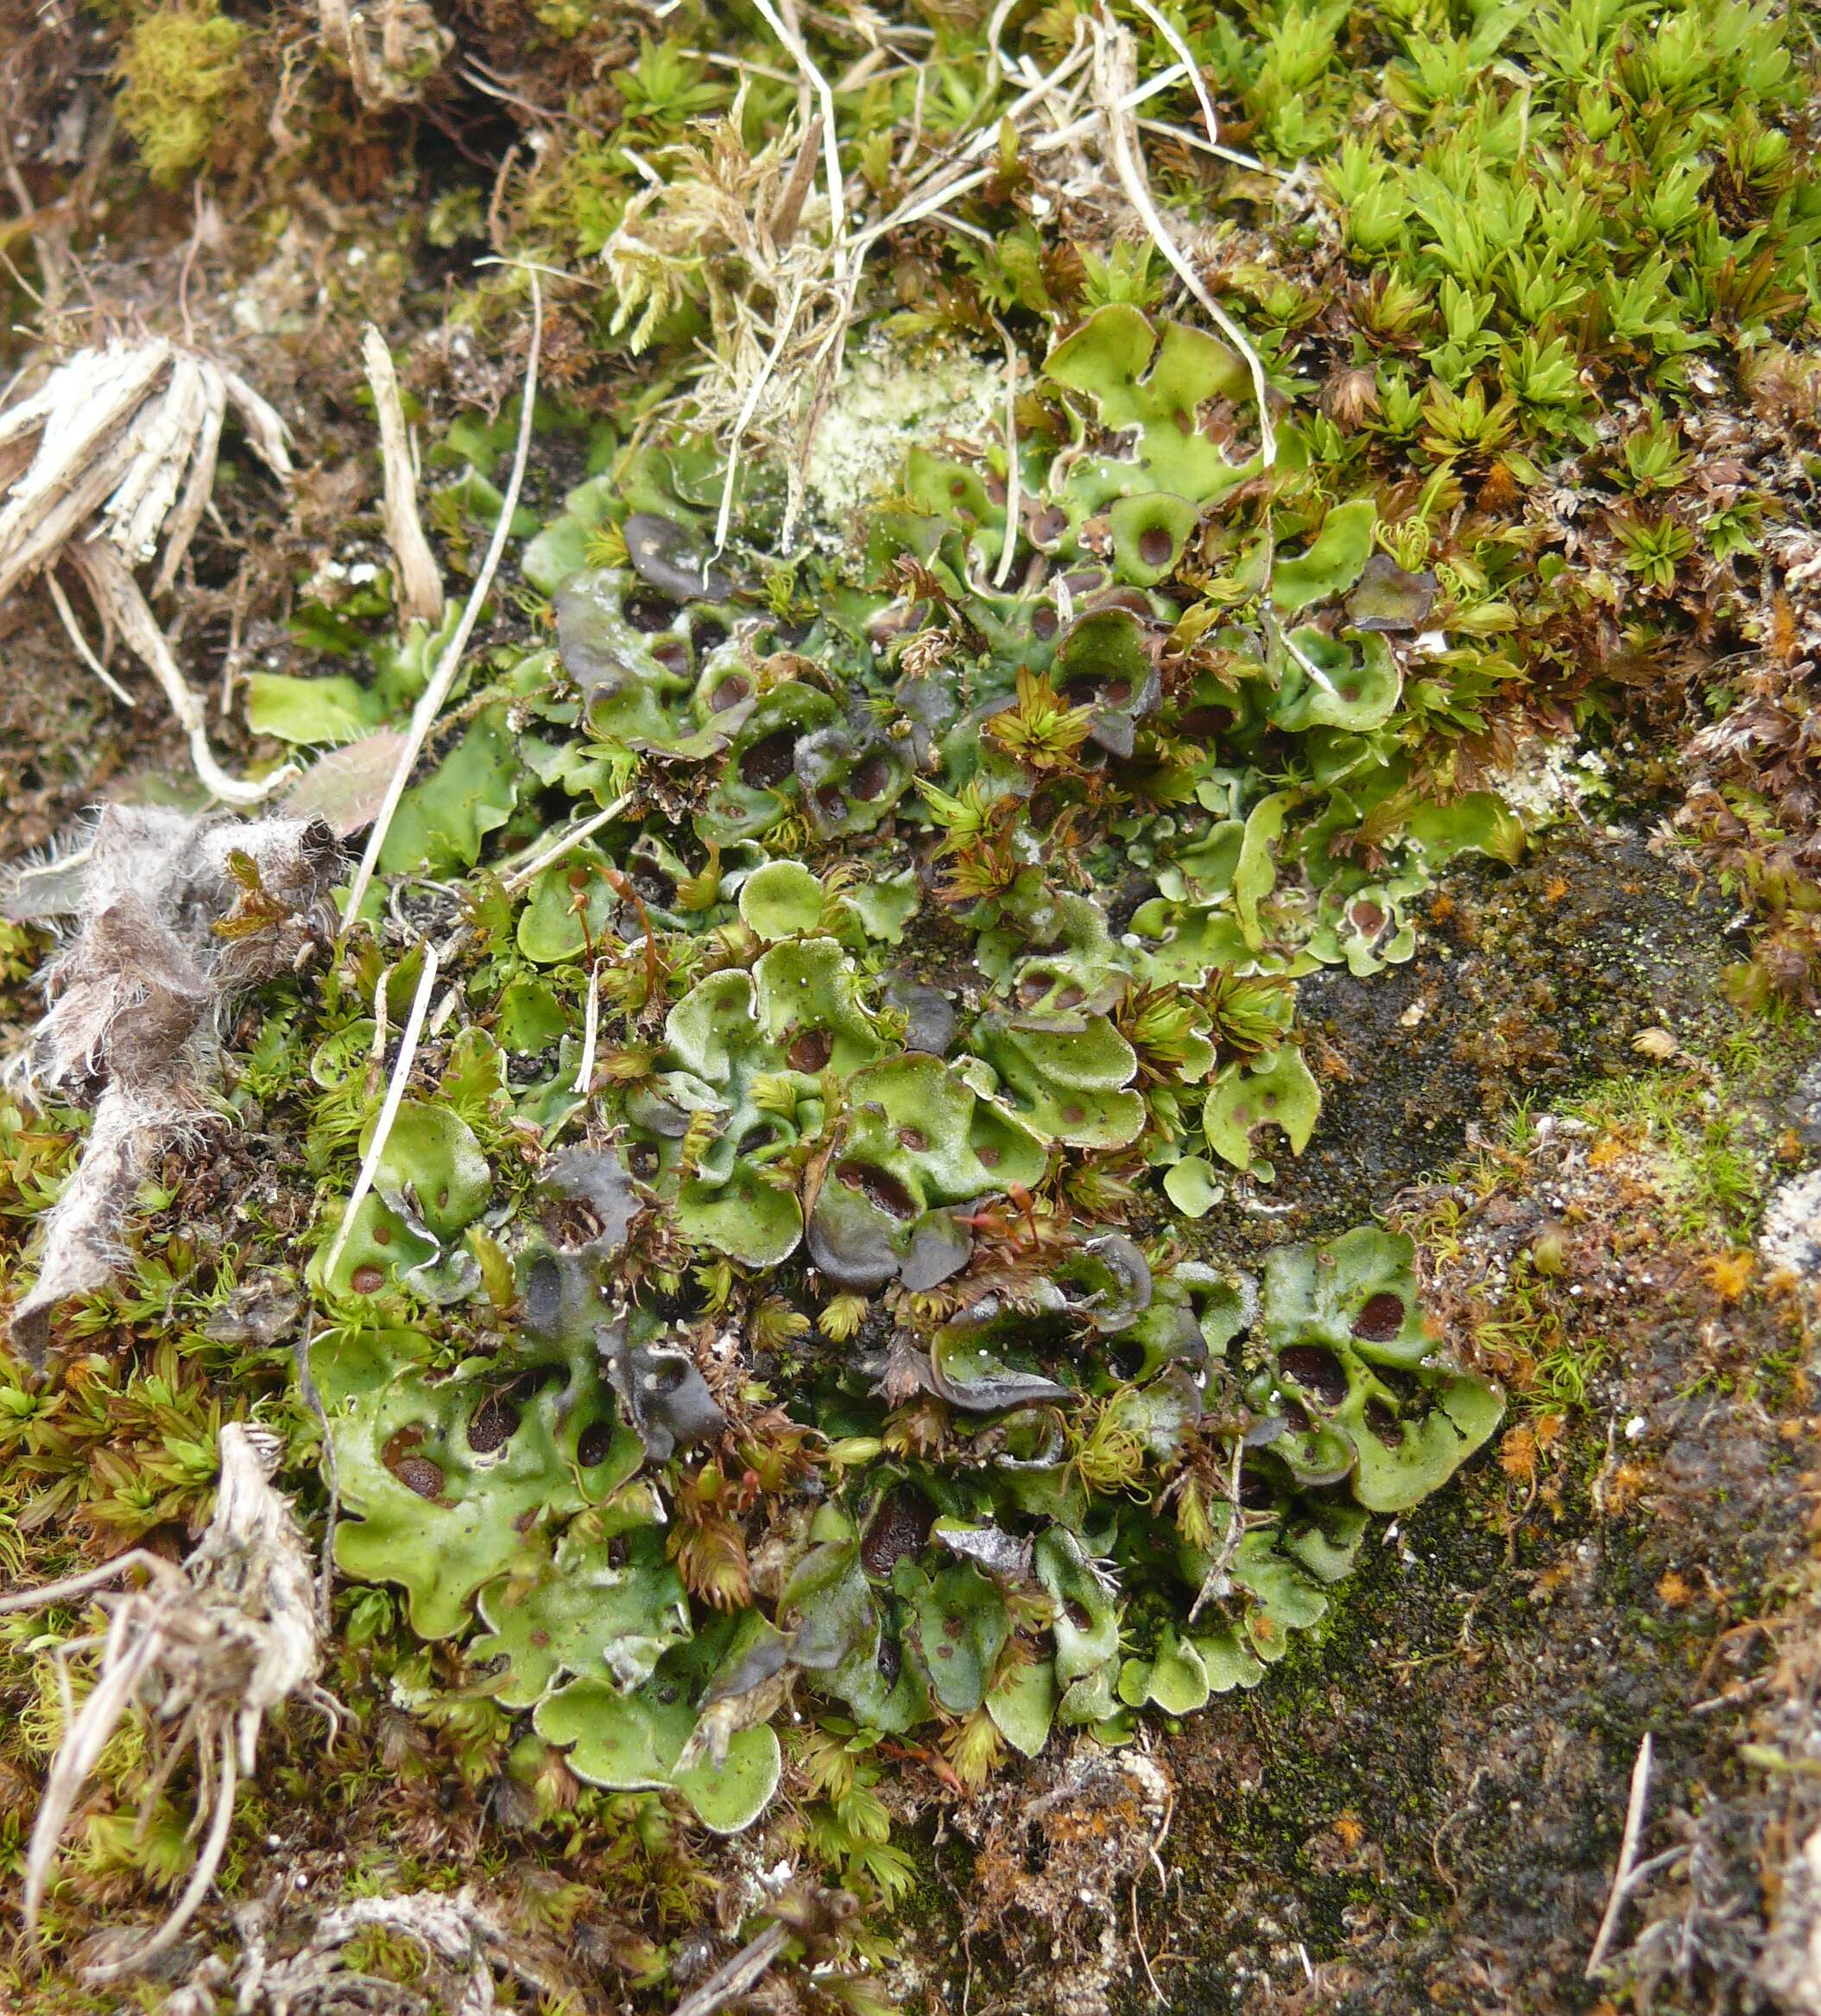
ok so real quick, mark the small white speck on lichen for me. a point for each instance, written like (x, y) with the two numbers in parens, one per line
(1550, 781)
(891, 399)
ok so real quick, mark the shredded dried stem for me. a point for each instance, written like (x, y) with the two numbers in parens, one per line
(209, 1649)
(120, 447)
(430, 703)
(420, 583)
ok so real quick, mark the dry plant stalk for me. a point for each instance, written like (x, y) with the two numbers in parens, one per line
(420, 583)
(392, 48)
(208, 1650)
(465, 1943)
(174, 917)
(782, 268)
(388, 1112)
(112, 455)
(430, 701)
(1116, 88)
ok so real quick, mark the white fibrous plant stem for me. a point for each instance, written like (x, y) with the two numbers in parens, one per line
(207, 1651)
(116, 595)
(420, 585)
(1115, 75)
(392, 49)
(387, 1113)
(135, 996)
(430, 701)
(110, 464)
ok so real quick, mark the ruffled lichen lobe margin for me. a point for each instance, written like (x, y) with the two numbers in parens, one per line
(797, 1347)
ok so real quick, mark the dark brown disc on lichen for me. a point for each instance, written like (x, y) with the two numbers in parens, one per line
(879, 1186)
(1317, 1371)
(1155, 546)
(650, 613)
(871, 779)
(770, 759)
(492, 1424)
(810, 1051)
(668, 555)
(900, 1526)
(1380, 1317)
(594, 1445)
(419, 1474)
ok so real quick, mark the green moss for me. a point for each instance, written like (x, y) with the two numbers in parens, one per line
(1514, 234)
(182, 80)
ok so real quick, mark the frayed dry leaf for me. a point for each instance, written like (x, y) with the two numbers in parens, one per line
(345, 789)
(115, 453)
(420, 585)
(135, 996)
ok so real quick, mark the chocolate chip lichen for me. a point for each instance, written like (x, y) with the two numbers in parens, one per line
(1020, 1107)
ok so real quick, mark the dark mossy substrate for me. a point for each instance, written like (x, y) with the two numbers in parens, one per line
(1480, 1738)
(65, 743)
(1528, 982)
(1421, 1808)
